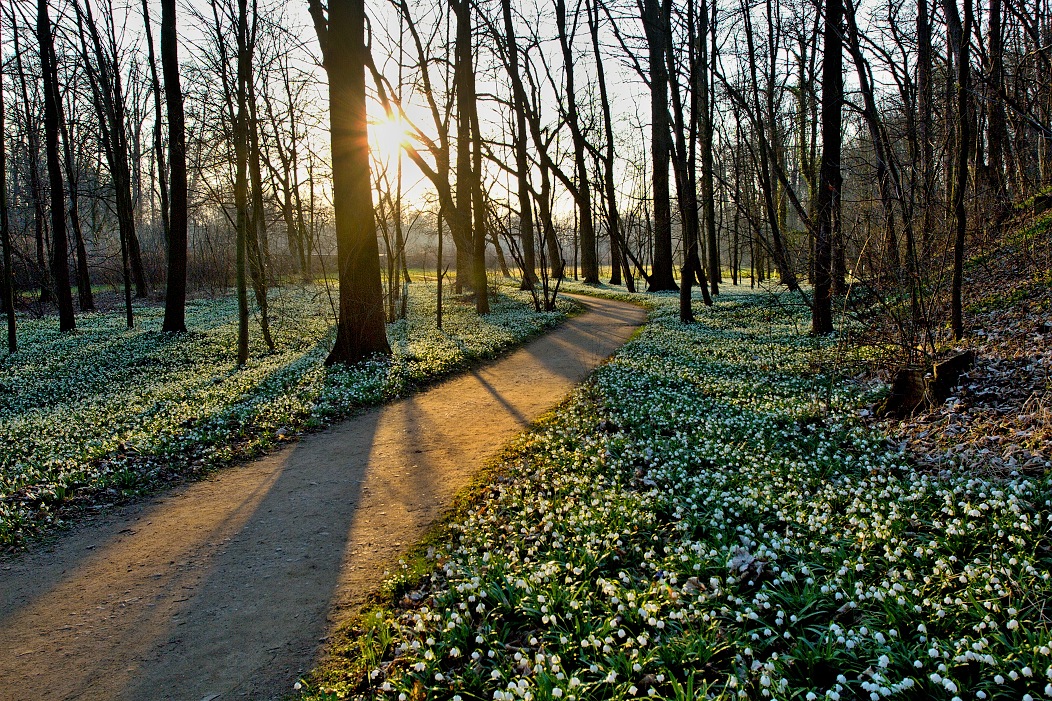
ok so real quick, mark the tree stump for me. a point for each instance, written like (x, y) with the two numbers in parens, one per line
(947, 374)
(912, 390)
(908, 392)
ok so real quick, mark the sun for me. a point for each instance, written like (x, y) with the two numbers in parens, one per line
(388, 135)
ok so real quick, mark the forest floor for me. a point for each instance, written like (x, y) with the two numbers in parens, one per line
(226, 588)
(999, 420)
(717, 513)
(104, 414)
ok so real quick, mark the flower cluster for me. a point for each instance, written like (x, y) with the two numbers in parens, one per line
(708, 518)
(106, 411)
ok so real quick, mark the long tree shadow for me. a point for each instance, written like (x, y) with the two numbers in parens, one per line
(209, 575)
(579, 344)
(226, 588)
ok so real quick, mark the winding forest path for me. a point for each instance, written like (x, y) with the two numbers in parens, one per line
(226, 588)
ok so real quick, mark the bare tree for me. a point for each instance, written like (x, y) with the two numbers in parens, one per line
(59, 242)
(107, 87)
(32, 159)
(960, 42)
(618, 257)
(360, 329)
(830, 179)
(175, 293)
(655, 25)
(7, 283)
(522, 161)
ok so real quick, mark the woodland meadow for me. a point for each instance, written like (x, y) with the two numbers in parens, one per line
(821, 468)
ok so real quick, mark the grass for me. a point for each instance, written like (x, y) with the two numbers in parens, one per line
(708, 517)
(94, 416)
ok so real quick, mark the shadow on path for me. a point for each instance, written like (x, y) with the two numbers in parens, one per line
(226, 588)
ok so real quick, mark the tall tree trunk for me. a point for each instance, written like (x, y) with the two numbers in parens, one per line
(108, 93)
(684, 162)
(997, 131)
(766, 164)
(708, 190)
(925, 99)
(122, 172)
(469, 163)
(244, 67)
(258, 249)
(478, 201)
(829, 175)
(522, 160)
(360, 330)
(35, 186)
(175, 293)
(960, 183)
(544, 199)
(7, 283)
(84, 295)
(887, 183)
(59, 242)
(464, 83)
(158, 121)
(613, 217)
(655, 26)
(583, 191)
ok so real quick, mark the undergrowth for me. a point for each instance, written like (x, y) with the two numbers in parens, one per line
(707, 518)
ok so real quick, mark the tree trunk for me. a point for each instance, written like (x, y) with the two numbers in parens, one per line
(708, 190)
(582, 192)
(684, 162)
(960, 183)
(655, 26)
(464, 84)
(59, 242)
(84, 294)
(360, 330)
(108, 95)
(997, 132)
(925, 99)
(829, 174)
(175, 293)
(766, 164)
(477, 196)
(35, 187)
(258, 248)
(7, 283)
(158, 139)
(522, 161)
(613, 217)
(244, 62)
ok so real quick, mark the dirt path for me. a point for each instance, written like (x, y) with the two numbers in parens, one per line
(226, 588)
